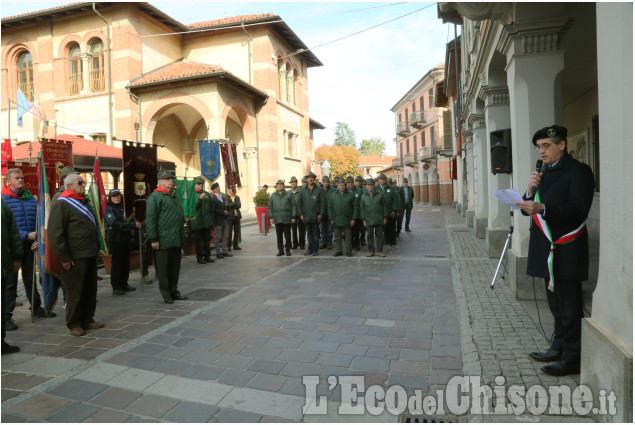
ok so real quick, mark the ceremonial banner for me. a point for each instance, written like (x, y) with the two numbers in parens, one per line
(48, 264)
(230, 163)
(31, 176)
(139, 177)
(101, 193)
(186, 193)
(210, 159)
(92, 194)
(57, 154)
(7, 155)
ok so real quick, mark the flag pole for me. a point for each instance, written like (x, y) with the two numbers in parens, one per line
(9, 117)
(34, 281)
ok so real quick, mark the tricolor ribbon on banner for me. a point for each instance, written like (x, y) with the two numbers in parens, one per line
(569, 237)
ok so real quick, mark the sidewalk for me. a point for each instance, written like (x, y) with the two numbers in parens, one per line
(255, 324)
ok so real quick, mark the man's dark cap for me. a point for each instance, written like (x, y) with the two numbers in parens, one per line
(390, 180)
(553, 132)
(114, 192)
(199, 180)
(381, 176)
(280, 181)
(66, 171)
(293, 179)
(265, 186)
(350, 179)
(359, 179)
(326, 179)
(304, 180)
(370, 181)
(215, 185)
(405, 180)
(164, 175)
(311, 174)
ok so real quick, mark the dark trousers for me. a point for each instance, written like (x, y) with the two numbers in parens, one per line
(405, 212)
(389, 232)
(355, 233)
(4, 310)
(338, 234)
(27, 279)
(565, 304)
(81, 292)
(362, 232)
(326, 231)
(234, 233)
(147, 253)
(202, 240)
(298, 229)
(120, 268)
(286, 230)
(168, 268)
(313, 235)
(375, 237)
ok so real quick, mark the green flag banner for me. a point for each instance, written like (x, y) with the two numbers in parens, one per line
(93, 199)
(185, 192)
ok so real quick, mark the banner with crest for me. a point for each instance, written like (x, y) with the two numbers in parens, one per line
(209, 151)
(230, 163)
(139, 177)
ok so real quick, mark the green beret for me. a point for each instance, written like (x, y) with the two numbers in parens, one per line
(164, 175)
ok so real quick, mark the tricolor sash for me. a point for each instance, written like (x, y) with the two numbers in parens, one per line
(79, 207)
(569, 237)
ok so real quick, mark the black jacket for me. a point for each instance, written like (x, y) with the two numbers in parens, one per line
(219, 210)
(566, 191)
(118, 230)
(234, 208)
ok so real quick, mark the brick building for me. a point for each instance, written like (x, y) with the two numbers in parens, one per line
(242, 78)
(424, 140)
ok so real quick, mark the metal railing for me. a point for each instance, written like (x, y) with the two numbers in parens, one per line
(420, 119)
(402, 128)
(75, 84)
(410, 158)
(397, 162)
(97, 81)
(427, 152)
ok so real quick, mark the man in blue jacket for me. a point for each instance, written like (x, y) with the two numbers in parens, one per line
(24, 207)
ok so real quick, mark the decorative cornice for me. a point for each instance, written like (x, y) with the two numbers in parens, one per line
(531, 38)
(494, 96)
(476, 120)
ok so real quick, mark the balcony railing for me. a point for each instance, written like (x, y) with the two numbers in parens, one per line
(402, 129)
(410, 158)
(27, 90)
(397, 163)
(427, 153)
(419, 119)
(75, 84)
(97, 80)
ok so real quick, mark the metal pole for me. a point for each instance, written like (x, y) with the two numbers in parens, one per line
(264, 222)
(141, 259)
(9, 118)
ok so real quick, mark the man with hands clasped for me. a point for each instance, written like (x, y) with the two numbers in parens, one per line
(558, 199)
(282, 212)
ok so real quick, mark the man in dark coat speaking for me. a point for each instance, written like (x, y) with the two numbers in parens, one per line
(558, 200)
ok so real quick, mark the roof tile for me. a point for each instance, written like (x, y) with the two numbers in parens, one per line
(179, 69)
(230, 20)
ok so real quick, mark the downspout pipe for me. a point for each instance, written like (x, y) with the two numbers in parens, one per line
(140, 138)
(242, 24)
(110, 105)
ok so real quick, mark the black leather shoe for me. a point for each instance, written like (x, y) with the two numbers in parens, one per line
(220, 256)
(547, 356)
(168, 300)
(562, 368)
(129, 288)
(201, 261)
(279, 254)
(208, 259)
(349, 254)
(227, 254)
(288, 252)
(306, 254)
(302, 246)
(237, 248)
(179, 297)
(322, 246)
(9, 349)
(118, 292)
(338, 254)
(294, 247)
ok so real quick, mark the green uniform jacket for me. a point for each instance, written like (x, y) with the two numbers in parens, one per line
(312, 204)
(357, 194)
(390, 194)
(164, 220)
(281, 207)
(298, 202)
(73, 236)
(411, 196)
(204, 212)
(375, 209)
(12, 249)
(398, 198)
(342, 208)
(327, 195)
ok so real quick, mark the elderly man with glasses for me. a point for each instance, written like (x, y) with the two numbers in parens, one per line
(72, 230)
(558, 199)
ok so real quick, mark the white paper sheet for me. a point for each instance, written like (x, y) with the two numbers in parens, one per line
(509, 197)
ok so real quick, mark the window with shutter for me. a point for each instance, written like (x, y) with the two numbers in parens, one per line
(447, 130)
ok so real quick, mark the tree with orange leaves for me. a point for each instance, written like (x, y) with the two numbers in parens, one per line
(344, 160)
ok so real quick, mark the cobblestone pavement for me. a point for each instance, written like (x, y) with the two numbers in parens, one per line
(416, 318)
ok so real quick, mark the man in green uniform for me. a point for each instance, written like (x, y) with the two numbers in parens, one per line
(375, 211)
(343, 207)
(326, 228)
(202, 223)
(281, 210)
(406, 195)
(313, 209)
(393, 206)
(360, 188)
(164, 221)
(297, 229)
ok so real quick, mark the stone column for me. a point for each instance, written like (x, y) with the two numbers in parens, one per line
(607, 336)
(433, 185)
(85, 73)
(497, 117)
(423, 189)
(481, 174)
(469, 148)
(282, 75)
(535, 102)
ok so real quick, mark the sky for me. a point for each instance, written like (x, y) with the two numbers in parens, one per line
(363, 75)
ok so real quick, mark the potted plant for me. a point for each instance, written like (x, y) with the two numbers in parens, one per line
(261, 201)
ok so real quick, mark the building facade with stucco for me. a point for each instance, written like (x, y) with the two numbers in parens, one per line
(242, 79)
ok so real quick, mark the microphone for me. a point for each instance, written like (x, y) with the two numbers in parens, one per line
(538, 168)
